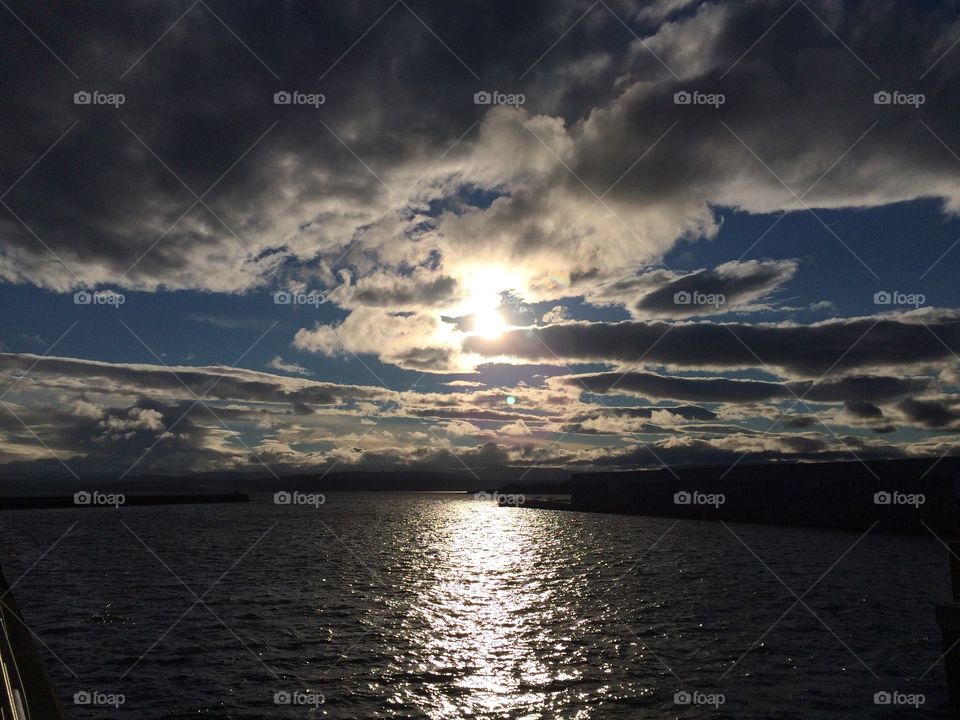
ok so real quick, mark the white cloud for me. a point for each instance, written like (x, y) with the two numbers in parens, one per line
(278, 363)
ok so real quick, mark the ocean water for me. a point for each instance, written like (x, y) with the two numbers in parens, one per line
(439, 606)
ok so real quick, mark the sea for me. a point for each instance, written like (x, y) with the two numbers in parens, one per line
(446, 606)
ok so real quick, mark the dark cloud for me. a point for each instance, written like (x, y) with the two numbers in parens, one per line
(201, 100)
(287, 191)
(859, 388)
(395, 292)
(687, 412)
(214, 383)
(930, 413)
(427, 359)
(800, 422)
(679, 388)
(699, 389)
(863, 409)
(729, 287)
(831, 345)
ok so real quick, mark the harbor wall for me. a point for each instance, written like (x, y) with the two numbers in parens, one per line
(899, 495)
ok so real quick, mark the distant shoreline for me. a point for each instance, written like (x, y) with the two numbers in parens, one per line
(38, 502)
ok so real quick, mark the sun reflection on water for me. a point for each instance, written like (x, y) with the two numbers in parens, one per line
(480, 623)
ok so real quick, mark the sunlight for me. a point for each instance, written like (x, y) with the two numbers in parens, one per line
(484, 287)
(488, 324)
(476, 617)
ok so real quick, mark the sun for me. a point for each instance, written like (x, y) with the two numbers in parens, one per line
(488, 324)
(484, 287)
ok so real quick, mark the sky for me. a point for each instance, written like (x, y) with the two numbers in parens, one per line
(312, 237)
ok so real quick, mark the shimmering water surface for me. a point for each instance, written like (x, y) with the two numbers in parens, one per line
(439, 606)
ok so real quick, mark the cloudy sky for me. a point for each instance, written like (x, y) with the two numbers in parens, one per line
(303, 236)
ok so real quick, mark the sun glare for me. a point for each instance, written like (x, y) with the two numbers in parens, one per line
(484, 287)
(488, 324)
